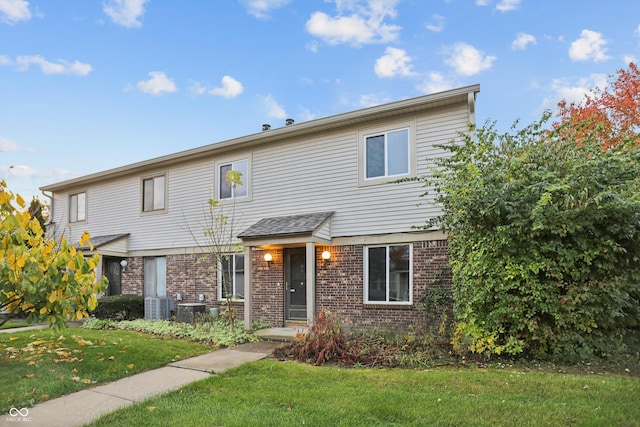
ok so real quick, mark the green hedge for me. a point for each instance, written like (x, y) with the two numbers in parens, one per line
(120, 307)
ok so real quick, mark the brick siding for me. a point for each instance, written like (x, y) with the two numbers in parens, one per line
(339, 284)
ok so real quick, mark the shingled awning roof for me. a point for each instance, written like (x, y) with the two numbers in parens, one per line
(103, 242)
(287, 226)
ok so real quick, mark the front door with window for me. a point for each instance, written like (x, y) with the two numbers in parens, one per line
(295, 277)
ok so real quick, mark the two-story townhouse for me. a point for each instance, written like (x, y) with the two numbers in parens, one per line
(321, 223)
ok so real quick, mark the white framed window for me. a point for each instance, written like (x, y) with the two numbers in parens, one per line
(154, 193)
(155, 277)
(388, 274)
(387, 154)
(78, 207)
(231, 277)
(225, 188)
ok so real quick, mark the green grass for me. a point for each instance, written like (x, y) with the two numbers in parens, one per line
(43, 364)
(271, 393)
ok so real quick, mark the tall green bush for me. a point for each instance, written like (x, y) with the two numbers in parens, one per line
(544, 239)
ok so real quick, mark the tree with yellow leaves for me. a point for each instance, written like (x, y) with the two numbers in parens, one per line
(45, 279)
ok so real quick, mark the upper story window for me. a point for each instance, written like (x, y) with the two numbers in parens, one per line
(226, 189)
(78, 207)
(154, 194)
(231, 283)
(387, 154)
(388, 274)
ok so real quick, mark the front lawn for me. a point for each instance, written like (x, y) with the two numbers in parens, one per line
(43, 364)
(272, 393)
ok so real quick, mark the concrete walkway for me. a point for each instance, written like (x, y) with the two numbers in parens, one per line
(90, 404)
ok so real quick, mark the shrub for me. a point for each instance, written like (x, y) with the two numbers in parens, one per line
(544, 241)
(207, 330)
(120, 307)
(328, 342)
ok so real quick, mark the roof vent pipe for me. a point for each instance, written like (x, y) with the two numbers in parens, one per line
(289, 122)
(266, 126)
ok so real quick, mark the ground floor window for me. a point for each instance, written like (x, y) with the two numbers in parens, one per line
(155, 277)
(388, 274)
(231, 277)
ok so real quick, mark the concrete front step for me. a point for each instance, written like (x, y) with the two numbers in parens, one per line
(284, 334)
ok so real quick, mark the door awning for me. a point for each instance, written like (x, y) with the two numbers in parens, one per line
(113, 245)
(311, 227)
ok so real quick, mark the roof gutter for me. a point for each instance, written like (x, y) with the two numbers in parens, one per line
(412, 105)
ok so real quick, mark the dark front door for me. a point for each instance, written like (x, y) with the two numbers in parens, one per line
(295, 277)
(113, 273)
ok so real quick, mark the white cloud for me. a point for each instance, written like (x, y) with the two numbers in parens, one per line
(157, 84)
(436, 82)
(395, 62)
(305, 115)
(273, 109)
(573, 91)
(261, 8)
(467, 60)
(482, 2)
(8, 145)
(230, 88)
(368, 100)
(437, 24)
(22, 171)
(358, 22)
(508, 5)
(590, 45)
(13, 11)
(125, 12)
(522, 41)
(312, 46)
(628, 59)
(47, 67)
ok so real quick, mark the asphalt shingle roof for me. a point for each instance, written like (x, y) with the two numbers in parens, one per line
(286, 225)
(103, 240)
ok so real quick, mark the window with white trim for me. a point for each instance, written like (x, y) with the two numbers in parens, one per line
(388, 274)
(387, 154)
(154, 193)
(78, 207)
(231, 277)
(226, 190)
(155, 277)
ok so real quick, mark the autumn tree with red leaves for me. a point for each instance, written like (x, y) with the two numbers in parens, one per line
(610, 115)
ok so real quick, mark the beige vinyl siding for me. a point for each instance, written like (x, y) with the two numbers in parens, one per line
(119, 246)
(313, 174)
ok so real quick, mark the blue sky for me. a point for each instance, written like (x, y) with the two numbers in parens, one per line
(90, 85)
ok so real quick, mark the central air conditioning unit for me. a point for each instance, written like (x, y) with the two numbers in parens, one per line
(158, 308)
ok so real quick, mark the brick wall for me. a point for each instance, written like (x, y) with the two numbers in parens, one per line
(268, 287)
(188, 275)
(339, 284)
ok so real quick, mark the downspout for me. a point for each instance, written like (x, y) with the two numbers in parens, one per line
(471, 101)
(50, 197)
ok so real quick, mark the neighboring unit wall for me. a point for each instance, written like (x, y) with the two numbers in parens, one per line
(187, 275)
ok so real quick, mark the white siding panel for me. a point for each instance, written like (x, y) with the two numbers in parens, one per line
(287, 178)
